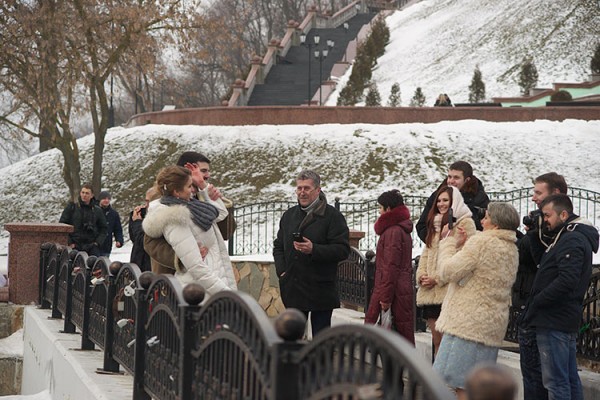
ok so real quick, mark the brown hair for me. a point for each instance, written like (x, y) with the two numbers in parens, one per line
(172, 178)
(432, 213)
(88, 186)
(554, 181)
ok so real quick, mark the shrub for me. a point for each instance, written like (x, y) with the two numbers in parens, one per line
(528, 78)
(418, 99)
(561, 95)
(477, 87)
(395, 100)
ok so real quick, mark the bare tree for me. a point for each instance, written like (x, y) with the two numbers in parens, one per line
(54, 69)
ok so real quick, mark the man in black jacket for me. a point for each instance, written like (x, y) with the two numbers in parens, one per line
(311, 241)
(136, 233)
(88, 220)
(531, 248)
(113, 219)
(554, 308)
(460, 175)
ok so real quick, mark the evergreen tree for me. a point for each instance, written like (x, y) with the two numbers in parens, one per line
(373, 98)
(477, 87)
(418, 99)
(528, 77)
(346, 97)
(561, 95)
(394, 100)
(596, 60)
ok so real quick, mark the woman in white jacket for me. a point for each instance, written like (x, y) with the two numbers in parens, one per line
(432, 288)
(187, 224)
(475, 310)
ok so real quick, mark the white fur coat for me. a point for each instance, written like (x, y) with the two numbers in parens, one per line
(481, 276)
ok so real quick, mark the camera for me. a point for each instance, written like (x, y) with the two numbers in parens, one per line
(531, 220)
(479, 212)
(297, 237)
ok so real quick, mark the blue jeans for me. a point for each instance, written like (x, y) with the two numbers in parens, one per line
(531, 369)
(559, 364)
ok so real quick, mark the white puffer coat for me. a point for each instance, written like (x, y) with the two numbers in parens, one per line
(214, 272)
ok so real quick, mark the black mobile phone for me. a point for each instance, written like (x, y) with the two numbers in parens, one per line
(297, 237)
(450, 219)
(143, 212)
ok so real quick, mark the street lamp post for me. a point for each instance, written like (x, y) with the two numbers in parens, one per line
(321, 55)
(303, 41)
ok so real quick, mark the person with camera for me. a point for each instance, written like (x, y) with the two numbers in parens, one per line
(460, 175)
(555, 305)
(531, 247)
(311, 241)
(89, 223)
(136, 233)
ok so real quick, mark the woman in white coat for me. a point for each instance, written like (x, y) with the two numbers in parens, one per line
(187, 224)
(432, 288)
(475, 310)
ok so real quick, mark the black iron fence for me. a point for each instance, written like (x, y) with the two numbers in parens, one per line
(258, 223)
(176, 348)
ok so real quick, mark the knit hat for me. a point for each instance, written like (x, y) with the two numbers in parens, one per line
(104, 195)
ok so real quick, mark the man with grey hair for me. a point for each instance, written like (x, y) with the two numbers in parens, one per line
(311, 241)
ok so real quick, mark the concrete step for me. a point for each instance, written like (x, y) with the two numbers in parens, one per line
(294, 70)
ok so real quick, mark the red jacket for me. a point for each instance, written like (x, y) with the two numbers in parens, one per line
(393, 273)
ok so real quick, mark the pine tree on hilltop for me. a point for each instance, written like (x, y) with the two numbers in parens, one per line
(528, 77)
(596, 60)
(477, 87)
(373, 98)
(418, 99)
(394, 100)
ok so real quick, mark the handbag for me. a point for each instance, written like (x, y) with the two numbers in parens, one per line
(228, 225)
(385, 319)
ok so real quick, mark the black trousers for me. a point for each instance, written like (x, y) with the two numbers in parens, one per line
(319, 320)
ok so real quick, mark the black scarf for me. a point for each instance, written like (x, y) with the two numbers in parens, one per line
(318, 207)
(203, 214)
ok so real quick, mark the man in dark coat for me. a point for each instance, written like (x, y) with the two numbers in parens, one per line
(460, 175)
(136, 233)
(532, 246)
(113, 219)
(312, 240)
(555, 305)
(88, 220)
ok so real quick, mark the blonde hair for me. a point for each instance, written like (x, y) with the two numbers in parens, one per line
(172, 178)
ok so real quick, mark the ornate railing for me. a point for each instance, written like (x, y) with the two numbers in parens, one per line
(353, 283)
(258, 223)
(228, 347)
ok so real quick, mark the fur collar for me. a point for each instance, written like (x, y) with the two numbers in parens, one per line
(160, 215)
(396, 216)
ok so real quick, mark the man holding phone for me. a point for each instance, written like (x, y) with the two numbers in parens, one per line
(311, 241)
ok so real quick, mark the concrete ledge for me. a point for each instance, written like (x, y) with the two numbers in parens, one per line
(590, 380)
(50, 362)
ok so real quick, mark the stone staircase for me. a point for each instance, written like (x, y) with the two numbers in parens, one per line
(287, 82)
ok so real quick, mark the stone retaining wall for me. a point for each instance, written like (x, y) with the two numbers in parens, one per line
(260, 280)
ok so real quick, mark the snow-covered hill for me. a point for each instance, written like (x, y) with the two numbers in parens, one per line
(357, 162)
(436, 44)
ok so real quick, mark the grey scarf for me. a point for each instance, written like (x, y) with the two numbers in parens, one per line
(203, 214)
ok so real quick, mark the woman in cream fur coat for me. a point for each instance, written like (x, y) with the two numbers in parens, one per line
(475, 310)
(188, 225)
(432, 289)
